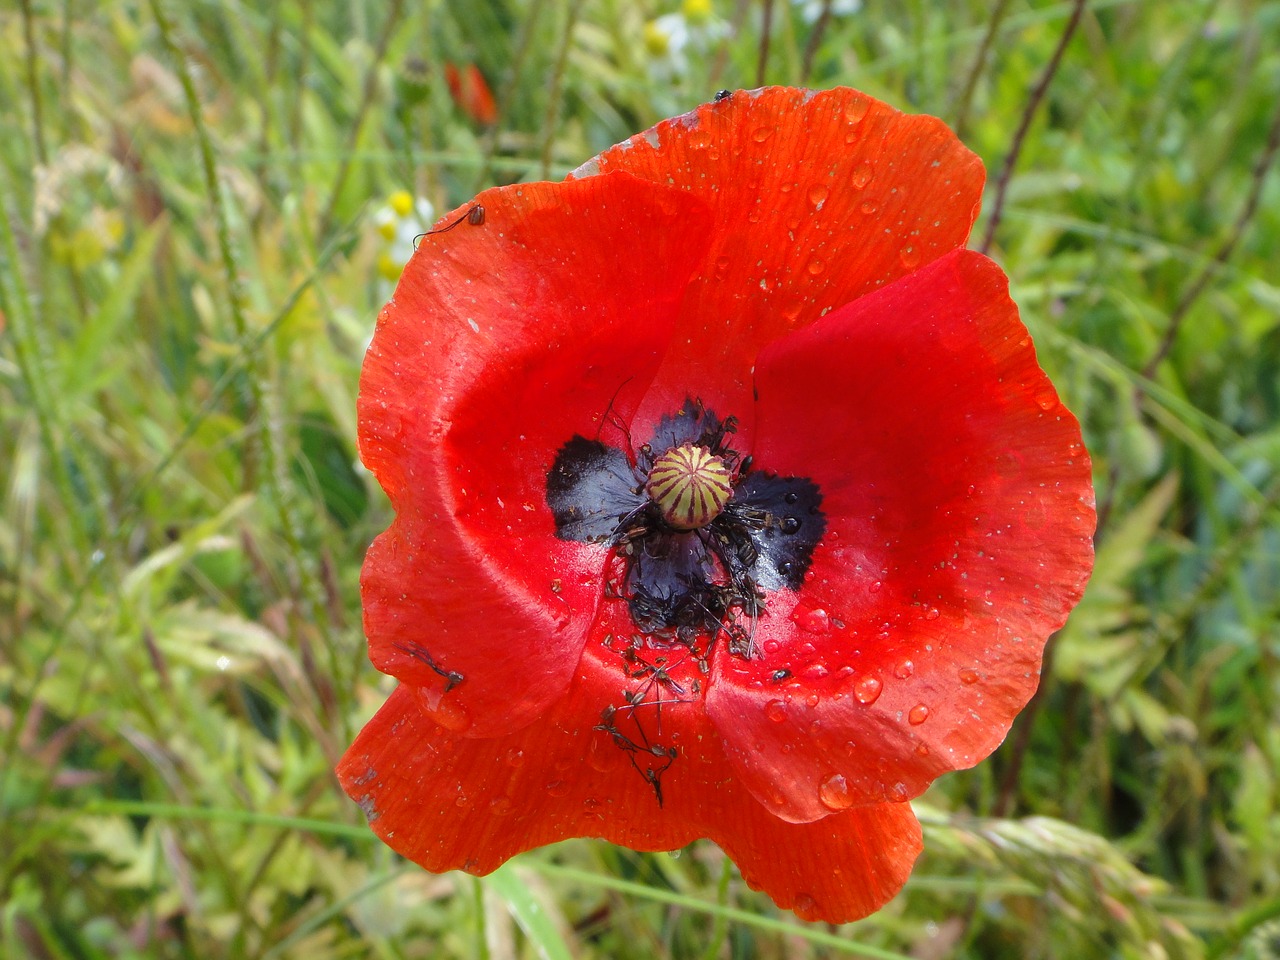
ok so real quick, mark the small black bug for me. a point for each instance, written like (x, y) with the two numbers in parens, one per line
(473, 216)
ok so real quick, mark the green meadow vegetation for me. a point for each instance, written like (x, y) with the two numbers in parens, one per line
(197, 231)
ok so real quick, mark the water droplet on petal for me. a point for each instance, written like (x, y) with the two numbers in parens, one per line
(918, 715)
(932, 613)
(904, 669)
(818, 193)
(909, 256)
(816, 266)
(834, 793)
(869, 208)
(862, 176)
(557, 788)
(761, 134)
(775, 710)
(968, 676)
(450, 714)
(515, 757)
(805, 907)
(500, 806)
(897, 793)
(857, 109)
(815, 671)
(876, 587)
(867, 690)
(812, 621)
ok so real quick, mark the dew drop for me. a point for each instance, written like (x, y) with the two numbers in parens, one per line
(815, 671)
(500, 806)
(897, 793)
(867, 690)
(450, 715)
(805, 907)
(818, 193)
(812, 699)
(776, 711)
(558, 788)
(905, 669)
(932, 614)
(918, 715)
(922, 749)
(816, 266)
(862, 176)
(722, 267)
(790, 524)
(909, 256)
(876, 587)
(834, 793)
(515, 757)
(856, 110)
(869, 208)
(814, 620)
(968, 676)
(761, 134)
(599, 755)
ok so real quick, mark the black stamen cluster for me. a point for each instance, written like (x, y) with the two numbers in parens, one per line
(683, 584)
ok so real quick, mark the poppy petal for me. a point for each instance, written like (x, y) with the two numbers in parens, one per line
(455, 802)
(838, 869)
(508, 335)
(960, 518)
(818, 198)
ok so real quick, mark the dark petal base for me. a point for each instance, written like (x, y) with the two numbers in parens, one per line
(680, 585)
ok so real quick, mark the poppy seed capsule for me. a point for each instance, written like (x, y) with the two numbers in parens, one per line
(690, 486)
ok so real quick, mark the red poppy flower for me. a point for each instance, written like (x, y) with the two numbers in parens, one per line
(471, 92)
(730, 502)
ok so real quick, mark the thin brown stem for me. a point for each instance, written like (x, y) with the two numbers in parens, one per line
(964, 102)
(1007, 793)
(1250, 209)
(766, 30)
(815, 41)
(1024, 125)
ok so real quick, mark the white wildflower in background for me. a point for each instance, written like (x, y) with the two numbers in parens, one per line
(398, 222)
(670, 39)
(811, 10)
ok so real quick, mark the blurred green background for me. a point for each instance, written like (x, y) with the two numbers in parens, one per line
(204, 204)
